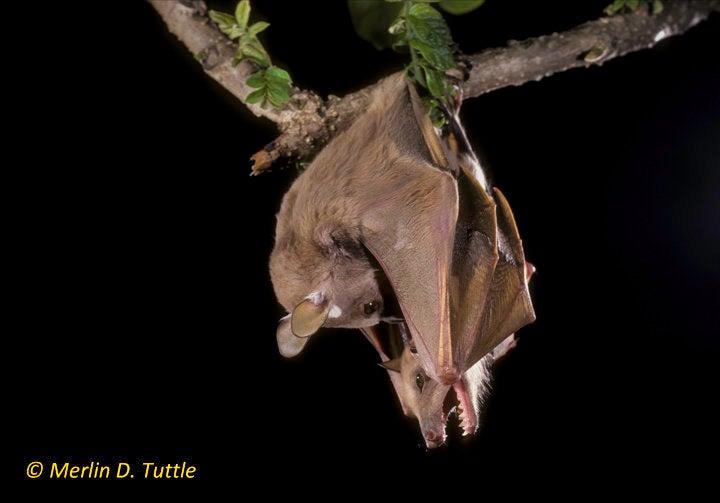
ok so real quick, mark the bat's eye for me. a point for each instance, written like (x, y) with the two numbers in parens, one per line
(371, 307)
(420, 381)
(413, 349)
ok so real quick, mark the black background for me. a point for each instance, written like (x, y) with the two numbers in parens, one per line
(142, 318)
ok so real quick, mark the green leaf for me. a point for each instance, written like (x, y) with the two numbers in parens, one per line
(438, 57)
(279, 93)
(371, 20)
(614, 7)
(278, 96)
(400, 45)
(414, 75)
(256, 96)
(236, 32)
(458, 7)
(238, 57)
(657, 7)
(258, 27)
(275, 73)
(224, 21)
(242, 13)
(437, 115)
(435, 81)
(398, 27)
(428, 26)
(279, 86)
(633, 4)
(274, 85)
(257, 79)
(253, 50)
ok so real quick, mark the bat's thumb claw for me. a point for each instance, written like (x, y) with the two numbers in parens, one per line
(529, 270)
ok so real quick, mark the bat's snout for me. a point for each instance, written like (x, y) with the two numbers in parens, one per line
(433, 438)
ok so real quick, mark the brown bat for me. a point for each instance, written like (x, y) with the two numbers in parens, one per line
(432, 402)
(390, 222)
(425, 399)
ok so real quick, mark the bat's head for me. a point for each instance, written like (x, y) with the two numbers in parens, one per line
(432, 402)
(326, 283)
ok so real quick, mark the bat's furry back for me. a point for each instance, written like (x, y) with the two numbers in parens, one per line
(317, 244)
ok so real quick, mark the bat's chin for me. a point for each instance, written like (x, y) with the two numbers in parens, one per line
(434, 440)
(458, 400)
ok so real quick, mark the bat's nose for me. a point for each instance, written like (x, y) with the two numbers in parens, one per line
(433, 439)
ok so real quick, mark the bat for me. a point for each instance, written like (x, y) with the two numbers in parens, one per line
(427, 400)
(390, 222)
(432, 402)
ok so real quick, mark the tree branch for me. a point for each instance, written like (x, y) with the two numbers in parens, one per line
(591, 43)
(307, 123)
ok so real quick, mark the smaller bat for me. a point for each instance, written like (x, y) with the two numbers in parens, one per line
(426, 399)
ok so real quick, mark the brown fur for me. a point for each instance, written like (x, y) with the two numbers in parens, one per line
(320, 220)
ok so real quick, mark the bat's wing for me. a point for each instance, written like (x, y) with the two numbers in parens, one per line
(508, 306)
(489, 297)
(503, 348)
(410, 231)
(475, 255)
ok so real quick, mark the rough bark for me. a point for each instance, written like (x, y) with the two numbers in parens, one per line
(308, 122)
(591, 43)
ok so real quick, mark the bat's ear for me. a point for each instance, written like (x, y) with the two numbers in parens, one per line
(295, 329)
(309, 315)
(288, 343)
(393, 364)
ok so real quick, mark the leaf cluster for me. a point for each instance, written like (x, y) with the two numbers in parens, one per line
(655, 6)
(272, 84)
(418, 28)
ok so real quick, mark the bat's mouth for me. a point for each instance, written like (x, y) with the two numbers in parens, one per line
(458, 401)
